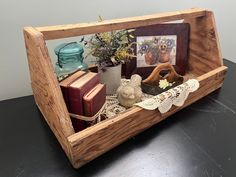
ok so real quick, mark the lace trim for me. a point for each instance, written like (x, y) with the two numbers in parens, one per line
(164, 101)
(175, 96)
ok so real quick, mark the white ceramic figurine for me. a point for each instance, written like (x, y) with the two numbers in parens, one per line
(131, 93)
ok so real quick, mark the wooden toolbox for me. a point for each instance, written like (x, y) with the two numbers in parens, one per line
(204, 63)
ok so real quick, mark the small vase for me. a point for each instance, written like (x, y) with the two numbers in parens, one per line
(111, 77)
(164, 57)
(151, 57)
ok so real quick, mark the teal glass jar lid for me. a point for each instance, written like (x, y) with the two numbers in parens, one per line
(69, 49)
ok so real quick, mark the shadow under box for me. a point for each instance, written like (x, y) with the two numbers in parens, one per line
(159, 43)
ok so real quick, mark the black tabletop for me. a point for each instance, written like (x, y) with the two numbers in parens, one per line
(198, 141)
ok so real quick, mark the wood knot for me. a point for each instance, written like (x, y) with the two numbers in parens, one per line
(212, 34)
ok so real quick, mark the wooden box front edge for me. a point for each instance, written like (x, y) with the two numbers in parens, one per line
(96, 140)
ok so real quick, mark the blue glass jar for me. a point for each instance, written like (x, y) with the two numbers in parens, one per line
(70, 58)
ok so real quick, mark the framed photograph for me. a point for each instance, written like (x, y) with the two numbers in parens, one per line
(159, 43)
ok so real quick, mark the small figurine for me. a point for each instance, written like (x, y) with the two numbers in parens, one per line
(130, 93)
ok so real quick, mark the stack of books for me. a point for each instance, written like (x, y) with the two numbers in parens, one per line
(83, 95)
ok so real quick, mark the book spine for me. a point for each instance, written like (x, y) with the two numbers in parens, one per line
(65, 94)
(87, 108)
(91, 107)
(87, 87)
(75, 103)
(76, 108)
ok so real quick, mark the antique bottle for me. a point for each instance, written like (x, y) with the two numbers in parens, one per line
(69, 59)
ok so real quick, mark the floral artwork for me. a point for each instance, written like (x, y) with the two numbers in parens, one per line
(152, 50)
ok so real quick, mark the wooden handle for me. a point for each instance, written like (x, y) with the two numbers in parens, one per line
(155, 76)
(72, 30)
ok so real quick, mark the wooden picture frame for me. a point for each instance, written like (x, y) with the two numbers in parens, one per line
(180, 30)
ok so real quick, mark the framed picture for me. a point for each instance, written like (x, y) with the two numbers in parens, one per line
(159, 44)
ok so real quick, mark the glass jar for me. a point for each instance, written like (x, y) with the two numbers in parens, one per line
(69, 59)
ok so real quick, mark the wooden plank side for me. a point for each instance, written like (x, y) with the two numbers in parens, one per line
(204, 47)
(71, 30)
(45, 87)
(100, 138)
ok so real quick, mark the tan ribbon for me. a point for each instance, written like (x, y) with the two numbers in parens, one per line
(86, 118)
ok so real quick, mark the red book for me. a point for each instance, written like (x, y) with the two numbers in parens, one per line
(94, 100)
(73, 94)
(78, 88)
(64, 84)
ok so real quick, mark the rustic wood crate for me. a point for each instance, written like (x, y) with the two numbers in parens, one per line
(204, 63)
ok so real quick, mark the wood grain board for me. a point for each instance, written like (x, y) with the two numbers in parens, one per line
(204, 50)
(46, 89)
(71, 30)
(205, 63)
(102, 137)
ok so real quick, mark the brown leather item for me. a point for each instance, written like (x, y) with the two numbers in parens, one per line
(94, 100)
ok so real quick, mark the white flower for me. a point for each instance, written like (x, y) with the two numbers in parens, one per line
(163, 84)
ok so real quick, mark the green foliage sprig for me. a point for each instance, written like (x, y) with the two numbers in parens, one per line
(111, 48)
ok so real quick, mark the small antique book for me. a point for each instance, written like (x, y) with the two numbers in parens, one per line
(73, 92)
(78, 88)
(94, 100)
(64, 84)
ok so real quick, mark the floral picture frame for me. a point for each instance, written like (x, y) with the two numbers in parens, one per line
(157, 44)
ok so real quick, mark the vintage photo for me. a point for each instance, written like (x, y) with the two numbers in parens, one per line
(152, 50)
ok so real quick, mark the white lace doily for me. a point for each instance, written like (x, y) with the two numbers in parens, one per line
(164, 101)
(175, 96)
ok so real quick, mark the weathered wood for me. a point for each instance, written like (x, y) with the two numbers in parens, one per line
(205, 61)
(45, 87)
(100, 138)
(155, 76)
(71, 30)
(204, 48)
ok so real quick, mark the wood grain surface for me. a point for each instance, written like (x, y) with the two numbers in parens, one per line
(46, 88)
(71, 30)
(205, 64)
(102, 137)
(204, 48)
